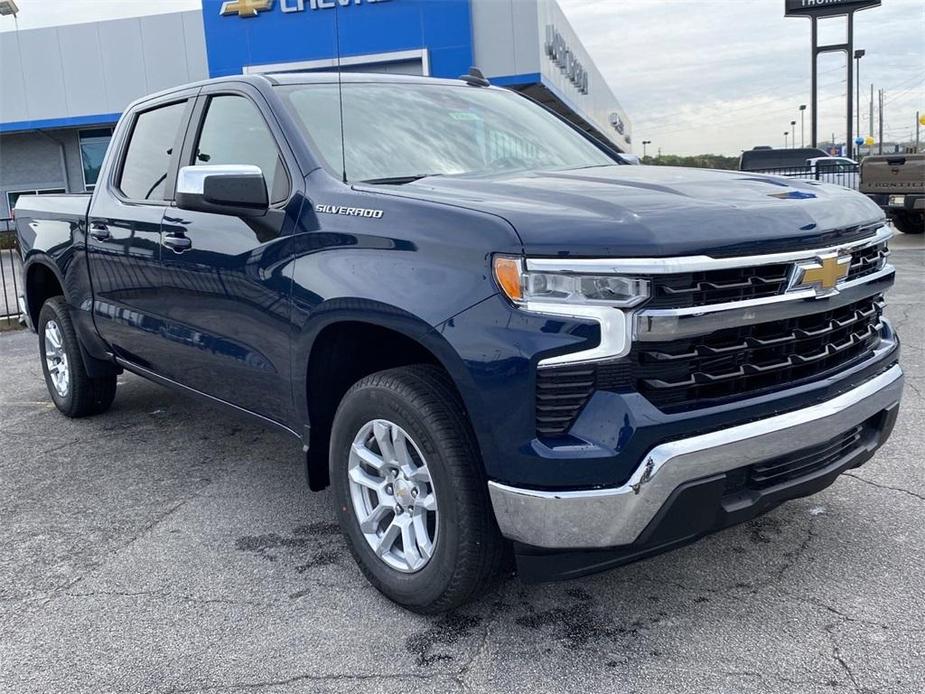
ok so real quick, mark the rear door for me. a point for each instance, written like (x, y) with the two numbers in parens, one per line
(124, 221)
(222, 284)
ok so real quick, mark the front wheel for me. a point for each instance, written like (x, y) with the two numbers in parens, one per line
(410, 495)
(73, 391)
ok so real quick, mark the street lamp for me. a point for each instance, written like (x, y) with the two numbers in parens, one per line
(858, 54)
(786, 132)
(802, 111)
(644, 143)
(793, 129)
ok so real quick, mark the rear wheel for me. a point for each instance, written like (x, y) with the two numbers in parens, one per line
(909, 222)
(71, 388)
(410, 495)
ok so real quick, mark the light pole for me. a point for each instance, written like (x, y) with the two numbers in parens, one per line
(793, 129)
(802, 113)
(786, 132)
(858, 54)
(644, 143)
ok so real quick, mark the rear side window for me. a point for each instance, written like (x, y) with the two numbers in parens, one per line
(234, 132)
(147, 158)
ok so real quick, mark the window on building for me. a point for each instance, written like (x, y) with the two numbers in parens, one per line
(93, 144)
(148, 155)
(234, 132)
(13, 195)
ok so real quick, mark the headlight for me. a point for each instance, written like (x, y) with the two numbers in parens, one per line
(531, 287)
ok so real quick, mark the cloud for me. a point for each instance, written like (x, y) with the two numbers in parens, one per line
(720, 76)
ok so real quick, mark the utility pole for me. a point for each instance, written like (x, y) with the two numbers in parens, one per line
(802, 113)
(918, 123)
(880, 123)
(871, 131)
(858, 54)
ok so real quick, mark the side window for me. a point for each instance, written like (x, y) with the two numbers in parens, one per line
(234, 132)
(144, 170)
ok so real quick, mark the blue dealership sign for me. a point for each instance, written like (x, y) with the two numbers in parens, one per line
(253, 34)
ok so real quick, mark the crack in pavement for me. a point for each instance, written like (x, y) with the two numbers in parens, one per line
(837, 657)
(886, 487)
(166, 595)
(308, 678)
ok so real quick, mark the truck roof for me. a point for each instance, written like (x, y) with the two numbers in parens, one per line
(272, 79)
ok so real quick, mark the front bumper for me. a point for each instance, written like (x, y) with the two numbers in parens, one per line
(615, 516)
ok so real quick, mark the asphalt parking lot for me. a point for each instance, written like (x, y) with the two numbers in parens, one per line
(170, 547)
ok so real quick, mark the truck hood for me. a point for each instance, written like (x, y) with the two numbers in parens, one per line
(656, 211)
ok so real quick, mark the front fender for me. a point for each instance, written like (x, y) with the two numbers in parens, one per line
(373, 313)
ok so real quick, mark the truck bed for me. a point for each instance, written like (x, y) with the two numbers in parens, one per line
(36, 211)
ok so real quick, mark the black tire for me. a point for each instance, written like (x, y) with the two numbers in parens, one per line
(909, 222)
(84, 396)
(469, 551)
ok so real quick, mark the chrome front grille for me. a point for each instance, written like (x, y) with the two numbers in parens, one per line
(744, 361)
(710, 287)
(723, 329)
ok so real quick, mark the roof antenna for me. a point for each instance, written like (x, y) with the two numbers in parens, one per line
(340, 94)
(475, 78)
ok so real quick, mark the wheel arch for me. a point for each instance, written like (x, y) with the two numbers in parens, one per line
(42, 281)
(347, 340)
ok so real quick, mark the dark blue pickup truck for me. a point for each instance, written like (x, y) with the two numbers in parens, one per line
(487, 333)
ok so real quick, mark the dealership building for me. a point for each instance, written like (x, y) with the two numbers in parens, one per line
(64, 87)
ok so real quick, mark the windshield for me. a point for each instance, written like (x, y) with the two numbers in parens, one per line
(396, 131)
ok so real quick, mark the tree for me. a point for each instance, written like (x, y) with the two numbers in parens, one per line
(699, 161)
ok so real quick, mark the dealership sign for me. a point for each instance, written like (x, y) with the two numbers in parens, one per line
(824, 8)
(563, 56)
(617, 123)
(250, 8)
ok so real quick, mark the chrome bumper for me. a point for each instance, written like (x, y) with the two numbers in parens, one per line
(617, 515)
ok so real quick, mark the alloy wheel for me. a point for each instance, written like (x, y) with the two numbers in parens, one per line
(393, 495)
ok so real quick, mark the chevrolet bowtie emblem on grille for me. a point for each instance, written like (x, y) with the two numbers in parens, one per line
(245, 8)
(822, 274)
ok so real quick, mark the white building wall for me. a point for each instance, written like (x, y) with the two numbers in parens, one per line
(509, 38)
(599, 104)
(99, 67)
(504, 40)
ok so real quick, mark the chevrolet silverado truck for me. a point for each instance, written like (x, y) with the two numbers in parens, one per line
(896, 182)
(491, 338)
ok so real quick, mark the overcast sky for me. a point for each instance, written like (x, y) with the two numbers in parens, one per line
(698, 76)
(695, 76)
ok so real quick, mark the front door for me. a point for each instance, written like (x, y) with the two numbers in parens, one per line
(225, 296)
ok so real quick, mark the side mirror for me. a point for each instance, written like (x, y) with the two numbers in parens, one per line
(231, 189)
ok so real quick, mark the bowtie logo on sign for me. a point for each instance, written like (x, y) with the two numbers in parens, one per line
(250, 8)
(245, 8)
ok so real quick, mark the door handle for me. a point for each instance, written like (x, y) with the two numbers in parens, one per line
(177, 242)
(100, 231)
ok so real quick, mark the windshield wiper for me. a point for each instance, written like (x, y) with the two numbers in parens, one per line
(398, 180)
